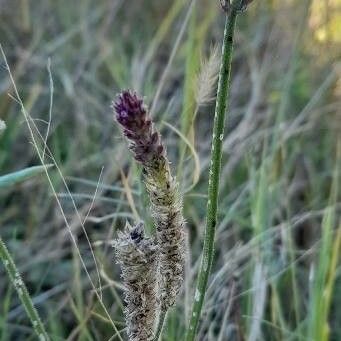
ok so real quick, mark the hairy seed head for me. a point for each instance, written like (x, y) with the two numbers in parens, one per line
(166, 205)
(206, 79)
(137, 257)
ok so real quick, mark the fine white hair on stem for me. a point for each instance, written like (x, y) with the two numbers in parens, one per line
(206, 79)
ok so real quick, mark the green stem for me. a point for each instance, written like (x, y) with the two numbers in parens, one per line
(214, 175)
(22, 292)
(160, 325)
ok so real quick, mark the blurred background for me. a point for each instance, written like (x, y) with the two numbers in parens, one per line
(276, 274)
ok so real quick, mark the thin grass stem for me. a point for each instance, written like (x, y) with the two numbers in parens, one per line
(215, 168)
(160, 325)
(22, 292)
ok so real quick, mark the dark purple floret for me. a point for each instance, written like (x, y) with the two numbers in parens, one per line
(132, 115)
(129, 108)
(137, 233)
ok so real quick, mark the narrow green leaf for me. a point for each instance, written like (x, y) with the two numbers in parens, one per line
(12, 179)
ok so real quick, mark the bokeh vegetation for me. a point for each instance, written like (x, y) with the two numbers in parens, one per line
(276, 274)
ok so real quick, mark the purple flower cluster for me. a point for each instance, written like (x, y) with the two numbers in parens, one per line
(132, 114)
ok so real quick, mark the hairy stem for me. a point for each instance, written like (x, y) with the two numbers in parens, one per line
(22, 292)
(213, 185)
(160, 325)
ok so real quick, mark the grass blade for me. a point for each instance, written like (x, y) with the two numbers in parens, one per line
(14, 178)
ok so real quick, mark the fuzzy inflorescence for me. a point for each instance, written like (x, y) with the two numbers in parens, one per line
(137, 257)
(166, 205)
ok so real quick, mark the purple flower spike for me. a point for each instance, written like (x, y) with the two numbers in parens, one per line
(129, 108)
(132, 115)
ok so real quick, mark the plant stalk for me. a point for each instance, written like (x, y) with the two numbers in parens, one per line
(215, 168)
(22, 292)
(160, 325)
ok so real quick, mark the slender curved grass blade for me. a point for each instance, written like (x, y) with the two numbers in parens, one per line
(14, 178)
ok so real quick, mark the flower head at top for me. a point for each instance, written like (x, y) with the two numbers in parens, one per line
(130, 110)
(132, 115)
